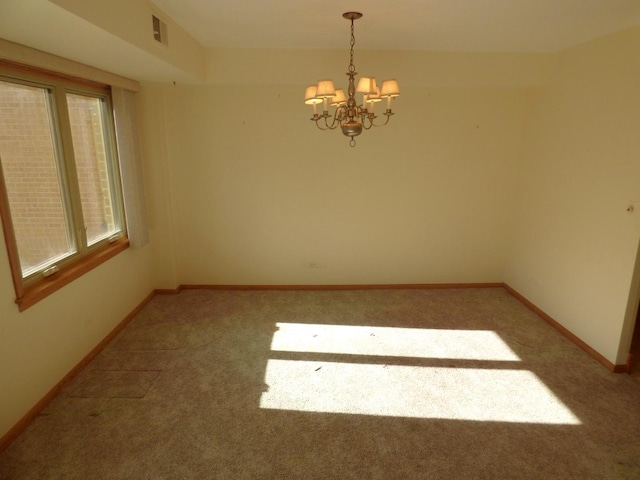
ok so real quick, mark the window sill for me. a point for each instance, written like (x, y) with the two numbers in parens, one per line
(45, 287)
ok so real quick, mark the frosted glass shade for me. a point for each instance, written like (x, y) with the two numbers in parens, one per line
(390, 88)
(310, 95)
(325, 89)
(374, 97)
(339, 98)
(366, 85)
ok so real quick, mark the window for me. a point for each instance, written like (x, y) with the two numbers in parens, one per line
(62, 203)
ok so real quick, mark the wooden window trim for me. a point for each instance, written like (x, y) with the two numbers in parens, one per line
(40, 73)
(48, 285)
(10, 238)
(31, 293)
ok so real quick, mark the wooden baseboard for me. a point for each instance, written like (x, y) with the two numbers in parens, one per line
(19, 427)
(385, 286)
(567, 333)
(168, 291)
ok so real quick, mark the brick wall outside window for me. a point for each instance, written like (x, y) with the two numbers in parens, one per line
(91, 165)
(31, 174)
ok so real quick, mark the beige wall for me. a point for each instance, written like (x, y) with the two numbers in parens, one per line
(39, 346)
(259, 193)
(158, 187)
(575, 244)
(246, 67)
(248, 191)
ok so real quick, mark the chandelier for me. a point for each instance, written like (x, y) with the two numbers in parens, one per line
(348, 115)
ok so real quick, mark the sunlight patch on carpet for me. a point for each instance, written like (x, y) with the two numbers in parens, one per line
(391, 341)
(516, 396)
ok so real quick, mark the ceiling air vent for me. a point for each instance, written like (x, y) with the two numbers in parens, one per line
(160, 31)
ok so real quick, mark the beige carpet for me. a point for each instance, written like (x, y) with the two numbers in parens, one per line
(378, 384)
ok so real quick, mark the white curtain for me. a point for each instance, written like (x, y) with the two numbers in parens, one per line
(129, 151)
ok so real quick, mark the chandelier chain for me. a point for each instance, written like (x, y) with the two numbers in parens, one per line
(352, 68)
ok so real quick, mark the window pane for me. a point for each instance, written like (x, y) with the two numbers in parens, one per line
(92, 165)
(32, 176)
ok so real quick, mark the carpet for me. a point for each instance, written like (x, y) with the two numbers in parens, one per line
(355, 384)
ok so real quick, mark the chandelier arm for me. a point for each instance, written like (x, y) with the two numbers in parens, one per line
(335, 122)
(326, 125)
(366, 117)
(316, 118)
(319, 126)
(341, 115)
(363, 120)
(388, 115)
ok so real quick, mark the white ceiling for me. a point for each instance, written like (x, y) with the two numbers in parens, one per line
(440, 25)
